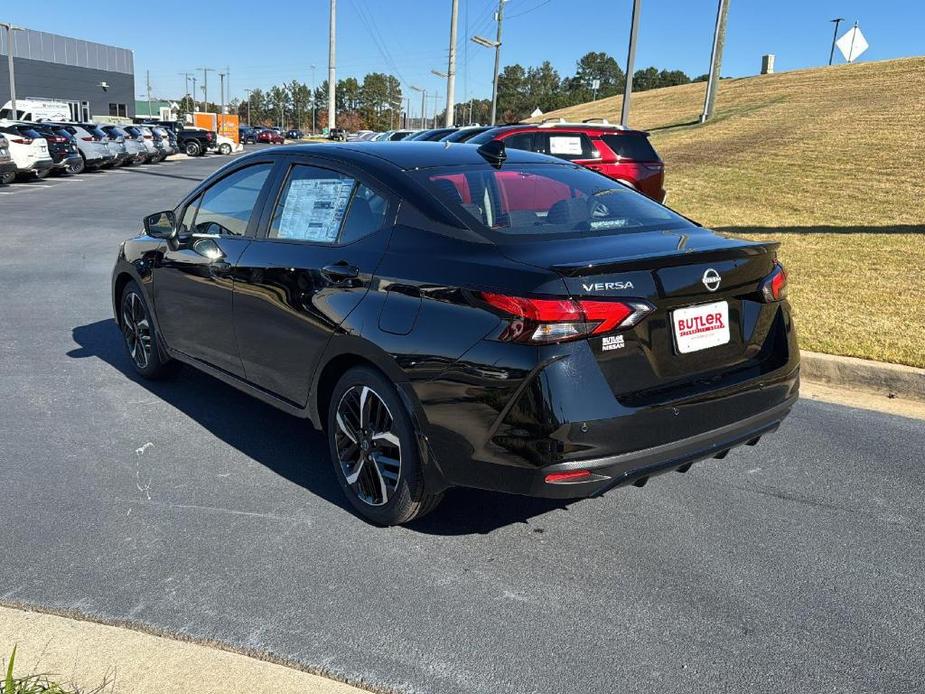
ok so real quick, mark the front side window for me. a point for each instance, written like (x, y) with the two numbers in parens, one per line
(227, 206)
(323, 206)
(543, 199)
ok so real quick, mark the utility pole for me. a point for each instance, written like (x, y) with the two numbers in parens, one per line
(221, 112)
(313, 98)
(716, 60)
(187, 76)
(451, 69)
(494, 84)
(9, 61)
(630, 64)
(836, 22)
(148, 83)
(332, 72)
(193, 97)
(436, 96)
(205, 86)
(248, 92)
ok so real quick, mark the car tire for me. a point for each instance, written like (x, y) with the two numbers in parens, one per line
(8, 178)
(225, 148)
(77, 168)
(385, 493)
(140, 336)
(192, 149)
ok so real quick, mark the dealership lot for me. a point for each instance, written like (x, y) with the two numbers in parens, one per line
(187, 507)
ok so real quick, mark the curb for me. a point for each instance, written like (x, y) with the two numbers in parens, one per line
(892, 380)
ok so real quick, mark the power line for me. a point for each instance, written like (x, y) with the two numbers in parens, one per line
(521, 14)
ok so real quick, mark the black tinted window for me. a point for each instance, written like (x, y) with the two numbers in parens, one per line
(541, 200)
(227, 206)
(367, 213)
(631, 146)
(519, 141)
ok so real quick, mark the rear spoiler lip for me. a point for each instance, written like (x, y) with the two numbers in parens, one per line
(670, 258)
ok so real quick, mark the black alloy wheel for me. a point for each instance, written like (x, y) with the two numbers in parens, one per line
(374, 448)
(140, 336)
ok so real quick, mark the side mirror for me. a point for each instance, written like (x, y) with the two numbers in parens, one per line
(161, 225)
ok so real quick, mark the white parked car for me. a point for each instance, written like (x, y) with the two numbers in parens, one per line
(29, 151)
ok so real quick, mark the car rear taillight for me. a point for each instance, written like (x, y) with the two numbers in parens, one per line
(546, 321)
(56, 138)
(774, 286)
(88, 139)
(22, 140)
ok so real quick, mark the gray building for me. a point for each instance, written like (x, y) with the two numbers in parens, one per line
(96, 80)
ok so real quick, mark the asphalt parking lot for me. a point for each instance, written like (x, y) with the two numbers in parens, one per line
(189, 508)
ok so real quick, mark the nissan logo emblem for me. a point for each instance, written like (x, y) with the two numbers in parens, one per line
(711, 279)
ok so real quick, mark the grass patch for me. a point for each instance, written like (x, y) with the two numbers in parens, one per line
(828, 162)
(37, 684)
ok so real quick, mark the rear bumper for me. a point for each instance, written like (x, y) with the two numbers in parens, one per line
(43, 165)
(68, 161)
(629, 467)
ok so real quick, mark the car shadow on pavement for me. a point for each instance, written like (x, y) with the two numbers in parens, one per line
(245, 422)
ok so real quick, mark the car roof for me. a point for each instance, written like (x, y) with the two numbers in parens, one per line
(413, 155)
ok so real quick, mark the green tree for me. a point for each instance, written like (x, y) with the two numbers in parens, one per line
(594, 66)
(512, 93)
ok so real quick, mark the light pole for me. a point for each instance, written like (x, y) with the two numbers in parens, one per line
(221, 127)
(423, 102)
(249, 92)
(451, 68)
(836, 22)
(9, 60)
(488, 43)
(205, 86)
(444, 76)
(630, 64)
(332, 72)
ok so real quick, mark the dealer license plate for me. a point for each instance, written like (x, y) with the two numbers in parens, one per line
(701, 327)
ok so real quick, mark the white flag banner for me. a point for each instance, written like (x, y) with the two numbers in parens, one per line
(852, 44)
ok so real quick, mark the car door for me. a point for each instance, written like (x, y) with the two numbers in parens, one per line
(320, 242)
(193, 283)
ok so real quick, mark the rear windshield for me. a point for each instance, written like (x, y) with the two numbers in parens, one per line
(94, 130)
(633, 146)
(545, 200)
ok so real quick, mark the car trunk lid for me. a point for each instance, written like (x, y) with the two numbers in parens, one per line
(691, 275)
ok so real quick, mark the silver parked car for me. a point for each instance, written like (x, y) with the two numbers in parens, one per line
(135, 152)
(92, 142)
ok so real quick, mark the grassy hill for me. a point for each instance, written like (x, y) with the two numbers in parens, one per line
(831, 162)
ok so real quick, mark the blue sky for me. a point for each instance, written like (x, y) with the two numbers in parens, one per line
(270, 44)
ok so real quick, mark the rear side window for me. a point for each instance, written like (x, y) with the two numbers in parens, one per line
(323, 206)
(567, 146)
(94, 130)
(227, 206)
(631, 146)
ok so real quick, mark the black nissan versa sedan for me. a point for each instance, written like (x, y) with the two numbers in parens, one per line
(454, 315)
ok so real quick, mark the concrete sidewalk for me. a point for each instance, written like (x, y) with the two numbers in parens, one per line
(86, 655)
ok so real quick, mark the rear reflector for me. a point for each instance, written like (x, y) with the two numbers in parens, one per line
(545, 321)
(570, 476)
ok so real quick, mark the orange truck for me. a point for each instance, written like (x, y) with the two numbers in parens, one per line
(223, 124)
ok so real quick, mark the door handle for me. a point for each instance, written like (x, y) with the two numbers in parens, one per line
(220, 268)
(340, 272)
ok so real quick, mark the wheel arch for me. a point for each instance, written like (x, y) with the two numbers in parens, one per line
(343, 353)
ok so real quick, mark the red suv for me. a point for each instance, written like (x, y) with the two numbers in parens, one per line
(269, 135)
(623, 155)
